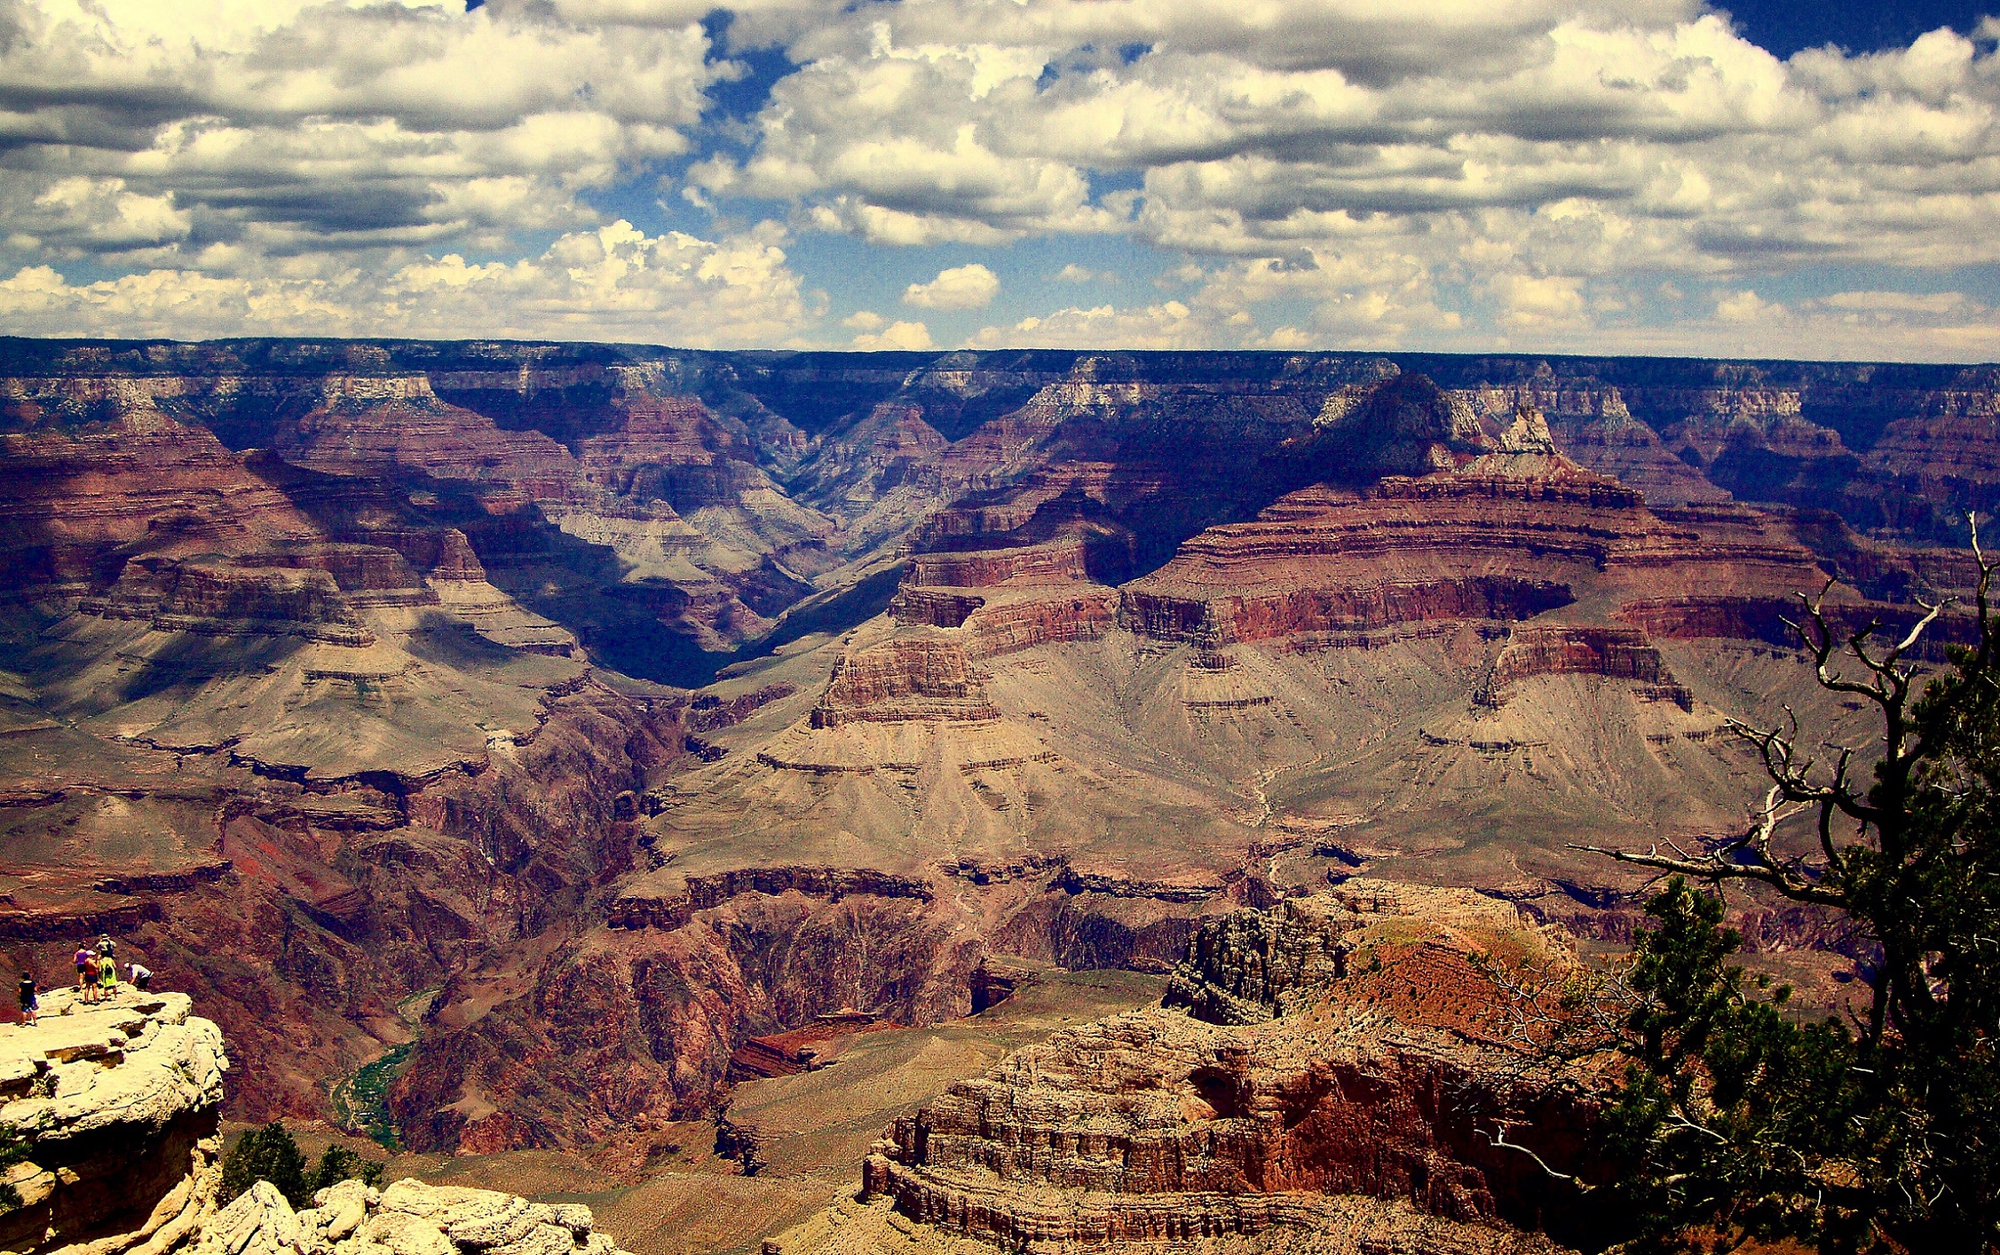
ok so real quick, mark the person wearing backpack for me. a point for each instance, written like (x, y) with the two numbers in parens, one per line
(107, 977)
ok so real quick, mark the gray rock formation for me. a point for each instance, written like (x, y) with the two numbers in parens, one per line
(407, 1218)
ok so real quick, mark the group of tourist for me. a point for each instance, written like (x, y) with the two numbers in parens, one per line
(96, 977)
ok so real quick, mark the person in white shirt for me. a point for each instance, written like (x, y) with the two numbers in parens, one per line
(140, 975)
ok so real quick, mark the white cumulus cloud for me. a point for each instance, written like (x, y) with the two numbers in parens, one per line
(961, 287)
(614, 283)
(1356, 173)
(897, 335)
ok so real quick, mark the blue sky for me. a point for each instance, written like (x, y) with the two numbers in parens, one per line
(1767, 179)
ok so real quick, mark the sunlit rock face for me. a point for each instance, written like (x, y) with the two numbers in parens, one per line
(118, 1103)
(408, 1215)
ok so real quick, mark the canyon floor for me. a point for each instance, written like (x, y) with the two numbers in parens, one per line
(816, 1128)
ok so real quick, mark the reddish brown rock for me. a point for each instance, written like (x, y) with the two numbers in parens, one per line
(1155, 1127)
(377, 426)
(631, 1028)
(1152, 1127)
(140, 484)
(1459, 545)
(801, 1049)
(1559, 649)
(903, 680)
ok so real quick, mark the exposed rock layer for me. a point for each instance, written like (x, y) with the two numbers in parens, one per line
(296, 685)
(1157, 1127)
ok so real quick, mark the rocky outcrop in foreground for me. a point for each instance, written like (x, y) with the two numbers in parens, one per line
(119, 1104)
(1297, 1097)
(407, 1218)
(1153, 1126)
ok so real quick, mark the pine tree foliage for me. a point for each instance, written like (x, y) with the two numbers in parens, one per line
(337, 1163)
(266, 1154)
(1879, 1133)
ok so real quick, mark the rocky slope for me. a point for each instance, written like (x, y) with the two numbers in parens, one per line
(119, 1102)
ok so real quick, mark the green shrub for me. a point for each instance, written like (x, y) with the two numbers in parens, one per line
(13, 1150)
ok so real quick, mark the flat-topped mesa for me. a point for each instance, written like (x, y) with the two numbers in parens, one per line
(1573, 649)
(1010, 620)
(405, 1218)
(905, 679)
(367, 574)
(337, 388)
(233, 596)
(120, 1104)
(1057, 560)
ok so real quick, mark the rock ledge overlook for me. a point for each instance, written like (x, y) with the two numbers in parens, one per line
(119, 1102)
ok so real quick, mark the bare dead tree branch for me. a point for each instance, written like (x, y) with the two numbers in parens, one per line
(1498, 1140)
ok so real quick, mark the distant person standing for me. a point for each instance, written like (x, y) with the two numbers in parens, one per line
(86, 974)
(107, 967)
(30, 1004)
(141, 976)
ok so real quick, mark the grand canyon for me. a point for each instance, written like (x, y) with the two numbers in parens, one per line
(535, 753)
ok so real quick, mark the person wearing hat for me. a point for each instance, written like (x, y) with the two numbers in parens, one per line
(86, 974)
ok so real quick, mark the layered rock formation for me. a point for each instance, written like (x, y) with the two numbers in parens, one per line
(904, 680)
(1155, 1127)
(119, 1103)
(1288, 1101)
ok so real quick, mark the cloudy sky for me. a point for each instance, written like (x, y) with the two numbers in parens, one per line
(1651, 176)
